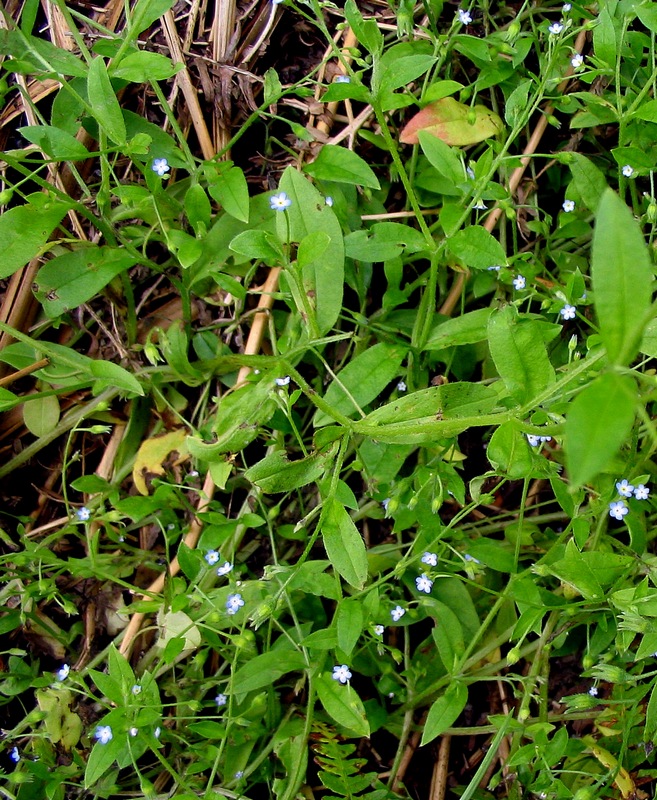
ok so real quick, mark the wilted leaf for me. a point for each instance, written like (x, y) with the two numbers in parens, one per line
(453, 122)
(152, 454)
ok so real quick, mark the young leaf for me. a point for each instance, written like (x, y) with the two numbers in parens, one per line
(343, 705)
(144, 14)
(110, 375)
(519, 353)
(444, 712)
(621, 274)
(598, 423)
(67, 281)
(103, 102)
(362, 380)
(24, 230)
(342, 166)
(344, 544)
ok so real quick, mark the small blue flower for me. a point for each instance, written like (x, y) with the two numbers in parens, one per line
(83, 514)
(15, 755)
(519, 282)
(568, 312)
(279, 202)
(221, 700)
(618, 510)
(474, 560)
(157, 732)
(224, 569)
(465, 17)
(401, 386)
(161, 166)
(136, 689)
(424, 583)
(577, 61)
(378, 630)
(133, 731)
(641, 492)
(103, 733)
(342, 79)
(397, 613)
(234, 603)
(627, 171)
(567, 7)
(625, 488)
(239, 774)
(212, 556)
(430, 558)
(556, 28)
(593, 691)
(63, 672)
(282, 381)
(533, 440)
(341, 673)
(568, 206)
(328, 200)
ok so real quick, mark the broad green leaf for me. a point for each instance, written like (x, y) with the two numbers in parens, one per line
(516, 103)
(142, 66)
(466, 329)
(208, 729)
(509, 452)
(444, 712)
(400, 65)
(440, 89)
(229, 187)
(588, 180)
(590, 573)
(33, 51)
(198, 209)
(323, 279)
(273, 88)
(344, 544)
(145, 12)
(476, 248)
(448, 635)
(312, 248)
(258, 244)
(55, 142)
(264, 669)
(367, 31)
(650, 730)
(453, 122)
(276, 474)
(103, 102)
(343, 705)
(349, 624)
(382, 462)
(499, 556)
(621, 274)
(604, 38)
(647, 15)
(442, 157)
(519, 353)
(101, 758)
(110, 375)
(24, 231)
(341, 165)
(41, 415)
(67, 281)
(8, 399)
(362, 380)
(598, 423)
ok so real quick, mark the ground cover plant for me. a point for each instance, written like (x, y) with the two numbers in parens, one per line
(328, 395)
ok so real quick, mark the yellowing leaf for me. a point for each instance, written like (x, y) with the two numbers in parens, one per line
(453, 122)
(154, 452)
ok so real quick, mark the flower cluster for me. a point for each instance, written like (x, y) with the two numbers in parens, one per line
(618, 509)
(534, 440)
(213, 557)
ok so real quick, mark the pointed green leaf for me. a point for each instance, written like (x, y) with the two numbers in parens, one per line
(344, 544)
(621, 274)
(343, 704)
(104, 103)
(476, 248)
(55, 142)
(23, 232)
(339, 164)
(444, 712)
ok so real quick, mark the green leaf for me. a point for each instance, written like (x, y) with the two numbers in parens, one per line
(103, 102)
(400, 67)
(604, 38)
(476, 248)
(276, 474)
(273, 88)
(349, 624)
(367, 31)
(621, 274)
(448, 401)
(258, 244)
(598, 423)
(448, 635)
(444, 712)
(323, 279)
(440, 89)
(208, 729)
(590, 573)
(312, 247)
(142, 66)
(145, 12)
(264, 669)
(516, 103)
(496, 555)
(344, 544)
(519, 353)
(362, 380)
(589, 182)
(341, 165)
(343, 705)
(109, 375)
(100, 760)
(466, 329)
(23, 232)
(41, 415)
(442, 157)
(509, 452)
(55, 142)
(229, 188)
(67, 281)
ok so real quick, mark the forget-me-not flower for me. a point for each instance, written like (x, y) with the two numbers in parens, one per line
(519, 282)
(641, 492)
(593, 691)
(233, 604)
(567, 7)
(63, 672)
(279, 202)
(161, 166)
(221, 700)
(103, 733)
(430, 558)
(83, 514)
(341, 673)
(465, 17)
(378, 630)
(224, 569)
(625, 488)
(556, 28)
(136, 689)
(568, 312)
(239, 774)
(424, 583)
(342, 79)
(282, 381)
(568, 206)
(577, 61)
(15, 755)
(474, 560)
(618, 510)
(328, 200)
(401, 386)
(627, 171)
(134, 731)
(533, 440)
(397, 613)
(212, 556)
